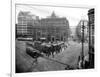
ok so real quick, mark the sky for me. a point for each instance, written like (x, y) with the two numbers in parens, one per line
(73, 15)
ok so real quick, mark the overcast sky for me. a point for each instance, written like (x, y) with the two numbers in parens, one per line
(74, 15)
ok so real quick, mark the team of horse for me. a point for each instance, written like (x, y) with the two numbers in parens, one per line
(49, 49)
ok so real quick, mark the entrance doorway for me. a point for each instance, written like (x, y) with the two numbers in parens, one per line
(52, 38)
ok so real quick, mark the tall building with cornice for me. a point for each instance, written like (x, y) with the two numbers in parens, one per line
(53, 28)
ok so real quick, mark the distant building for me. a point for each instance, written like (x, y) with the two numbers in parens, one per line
(72, 32)
(53, 28)
(79, 30)
(25, 23)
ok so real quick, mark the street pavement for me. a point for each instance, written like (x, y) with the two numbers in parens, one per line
(67, 56)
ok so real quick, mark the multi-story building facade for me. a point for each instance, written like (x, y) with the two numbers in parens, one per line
(25, 23)
(91, 37)
(91, 26)
(52, 28)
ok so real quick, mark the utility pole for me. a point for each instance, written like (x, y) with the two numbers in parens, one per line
(82, 53)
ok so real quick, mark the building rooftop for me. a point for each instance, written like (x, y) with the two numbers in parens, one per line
(91, 11)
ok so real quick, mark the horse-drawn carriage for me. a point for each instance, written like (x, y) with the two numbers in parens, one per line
(47, 49)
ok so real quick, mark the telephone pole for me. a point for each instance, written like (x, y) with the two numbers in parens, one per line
(82, 52)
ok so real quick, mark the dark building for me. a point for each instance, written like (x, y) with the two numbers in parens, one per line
(52, 28)
(91, 37)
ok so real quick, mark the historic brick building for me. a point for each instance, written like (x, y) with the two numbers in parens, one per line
(91, 26)
(52, 28)
(91, 14)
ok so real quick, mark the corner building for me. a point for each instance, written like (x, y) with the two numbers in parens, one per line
(53, 28)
